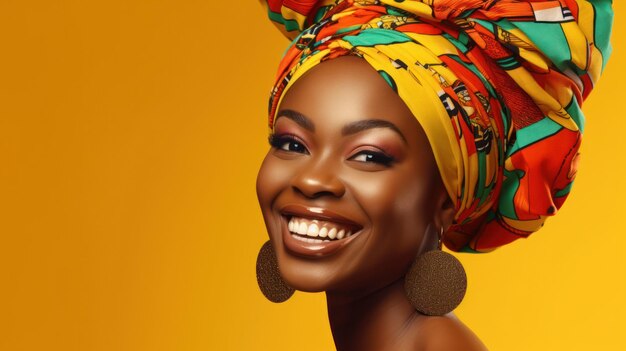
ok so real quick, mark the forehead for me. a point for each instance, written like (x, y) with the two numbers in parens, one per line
(345, 90)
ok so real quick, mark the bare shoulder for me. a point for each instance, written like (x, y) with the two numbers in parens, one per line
(448, 333)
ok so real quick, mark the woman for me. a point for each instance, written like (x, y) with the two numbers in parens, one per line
(397, 125)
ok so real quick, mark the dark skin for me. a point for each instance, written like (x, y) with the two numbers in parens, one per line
(348, 153)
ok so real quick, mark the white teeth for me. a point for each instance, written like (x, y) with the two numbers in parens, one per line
(313, 230)
(302, 228)
(332, 233)
(341, 234)
(323, 232)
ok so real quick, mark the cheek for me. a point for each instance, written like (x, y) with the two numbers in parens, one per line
(268, 182)
(399, 210)
(396, 212)
(275, 177)
(393, 197)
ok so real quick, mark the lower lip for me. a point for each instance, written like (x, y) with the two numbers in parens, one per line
(302, 248)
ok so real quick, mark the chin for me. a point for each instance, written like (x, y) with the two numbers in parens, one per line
(306, 276)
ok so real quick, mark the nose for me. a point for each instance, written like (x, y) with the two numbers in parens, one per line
(318, 178)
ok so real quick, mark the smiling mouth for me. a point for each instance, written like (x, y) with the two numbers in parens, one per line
(319, 231)
(316, 232)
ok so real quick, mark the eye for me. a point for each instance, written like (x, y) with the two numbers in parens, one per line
(369, 156)
(288, 143)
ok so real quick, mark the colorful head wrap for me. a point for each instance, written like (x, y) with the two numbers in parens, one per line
(497, 86)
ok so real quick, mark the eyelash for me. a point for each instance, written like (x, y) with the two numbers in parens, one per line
(375, 157)
(279, 141)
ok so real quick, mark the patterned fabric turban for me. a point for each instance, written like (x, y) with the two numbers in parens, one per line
(497, 86)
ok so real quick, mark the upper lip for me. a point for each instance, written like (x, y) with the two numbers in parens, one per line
(319, 213)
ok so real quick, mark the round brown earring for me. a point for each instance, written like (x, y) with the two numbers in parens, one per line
(436, 282)
(268, 277)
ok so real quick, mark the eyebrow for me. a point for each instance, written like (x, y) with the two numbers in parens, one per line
(297, 117)
(348, 129)
(359, 126)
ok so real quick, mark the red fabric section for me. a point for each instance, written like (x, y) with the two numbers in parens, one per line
(494, 235)
(300, 6)
(543, 171)
(419, 28)
(524, 111)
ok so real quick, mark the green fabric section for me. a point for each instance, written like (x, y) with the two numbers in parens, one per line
(550, 39)
(506, 121)
(576, 113)
(467, 249)
(508, 63)
(465, 40)
(602, 32)
(389, 80)
(564, 191)
(461, 46)
(290, 25)
(483, 23)
(503, 23)
(466, 13)
(533, 133)
(395, 12)
(320, 13)
(481, 191)
(293, 42)
(375, 36)
(348, 29)
(482, 198)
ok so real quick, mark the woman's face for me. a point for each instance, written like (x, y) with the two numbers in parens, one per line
(350, 185)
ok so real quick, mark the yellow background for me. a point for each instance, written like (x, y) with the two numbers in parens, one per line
(130, 137)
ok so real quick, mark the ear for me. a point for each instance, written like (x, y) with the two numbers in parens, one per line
(444, 210)
(443, 217)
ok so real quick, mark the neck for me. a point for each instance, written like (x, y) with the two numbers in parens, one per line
(378, 321)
